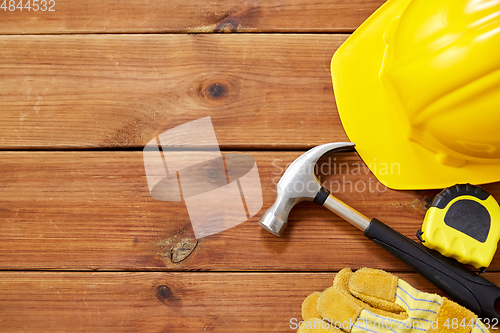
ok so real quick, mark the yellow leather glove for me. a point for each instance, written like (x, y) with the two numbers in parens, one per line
(372, 300)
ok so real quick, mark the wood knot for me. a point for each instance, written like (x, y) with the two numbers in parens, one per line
(177, 249)
(182, 249)
(216, 91)
(229, 25)
(165, 295)
(212, 173)
(164, 292)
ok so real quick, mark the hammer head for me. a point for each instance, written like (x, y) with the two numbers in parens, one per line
(298, 183)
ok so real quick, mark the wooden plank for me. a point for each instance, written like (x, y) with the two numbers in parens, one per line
(93, 211)
(155, 16)
(104, 91)
(160, 302)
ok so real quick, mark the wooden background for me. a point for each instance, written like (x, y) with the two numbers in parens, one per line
(84, 247)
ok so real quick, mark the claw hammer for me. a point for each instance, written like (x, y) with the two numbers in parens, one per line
(299, 183)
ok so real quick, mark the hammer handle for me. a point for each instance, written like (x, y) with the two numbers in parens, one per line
(465, 287)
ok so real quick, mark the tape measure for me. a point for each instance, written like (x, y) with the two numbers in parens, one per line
(463, 222)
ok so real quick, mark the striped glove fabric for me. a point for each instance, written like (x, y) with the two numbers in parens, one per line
(372, 300)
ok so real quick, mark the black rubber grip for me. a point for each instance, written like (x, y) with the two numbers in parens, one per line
(463, 286)
(445, 196)
(321, 196)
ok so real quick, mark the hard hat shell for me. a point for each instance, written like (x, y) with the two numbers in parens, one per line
(417, 87)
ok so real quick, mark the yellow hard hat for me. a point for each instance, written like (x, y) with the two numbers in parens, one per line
(417, 87)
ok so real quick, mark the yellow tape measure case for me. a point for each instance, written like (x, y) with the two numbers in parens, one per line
(463, 222)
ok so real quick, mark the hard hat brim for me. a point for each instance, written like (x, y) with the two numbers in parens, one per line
(373, 122)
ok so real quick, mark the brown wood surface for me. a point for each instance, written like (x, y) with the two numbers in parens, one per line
(157, 16)
(160, 302)
(83, 245)
(262, 91)
(93, 211)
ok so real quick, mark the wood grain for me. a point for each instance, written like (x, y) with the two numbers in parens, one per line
(93, 211)
(108, 91)
(84, 88)
(156, 16)
(160, 302)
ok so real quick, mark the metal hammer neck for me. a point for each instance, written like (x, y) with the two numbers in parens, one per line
(347, 213)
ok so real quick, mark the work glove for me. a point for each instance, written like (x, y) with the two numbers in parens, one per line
(372, 300)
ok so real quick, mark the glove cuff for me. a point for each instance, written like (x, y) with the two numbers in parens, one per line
(452, 317)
